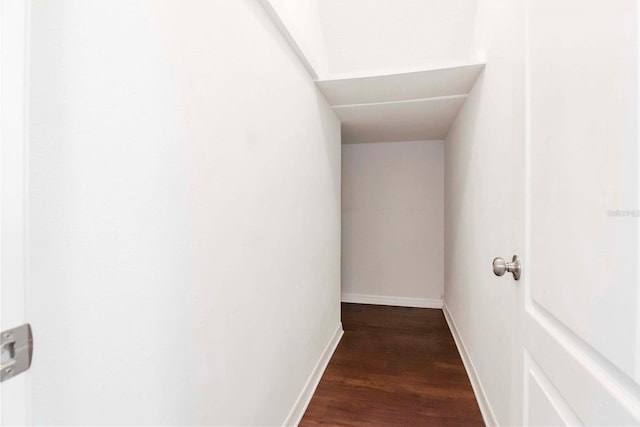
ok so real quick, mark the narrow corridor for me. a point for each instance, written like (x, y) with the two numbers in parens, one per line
(394, 366)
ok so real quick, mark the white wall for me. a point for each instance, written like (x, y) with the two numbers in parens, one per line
(184, 227)
(484, 208)
(366, 37)
(392, 219)
(301, 19)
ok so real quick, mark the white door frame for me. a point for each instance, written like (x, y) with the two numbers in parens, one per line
(14, 25)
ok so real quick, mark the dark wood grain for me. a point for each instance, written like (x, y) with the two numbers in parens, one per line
(395, 366)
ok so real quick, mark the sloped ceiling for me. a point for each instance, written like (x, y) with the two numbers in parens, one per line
(393, 70)
(366, 37)
(400, 107)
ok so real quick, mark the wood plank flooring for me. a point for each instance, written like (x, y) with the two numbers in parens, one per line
(395, 366)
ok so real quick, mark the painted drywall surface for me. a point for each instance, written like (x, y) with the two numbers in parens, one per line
(302, 19)
(368, 37)
(184, 215)
(484, 208)
(392, 219)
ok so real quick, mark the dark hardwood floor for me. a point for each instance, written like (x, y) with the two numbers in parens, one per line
(394, 366)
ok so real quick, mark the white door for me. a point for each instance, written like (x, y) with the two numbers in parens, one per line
(13, 15)
(581, 308)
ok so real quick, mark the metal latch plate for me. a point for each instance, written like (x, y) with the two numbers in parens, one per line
(16, 349)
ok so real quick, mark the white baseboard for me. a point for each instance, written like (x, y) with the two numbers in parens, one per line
(485, 408)
(396, 301)
(299, 408)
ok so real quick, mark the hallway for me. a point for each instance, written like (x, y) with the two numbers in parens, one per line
(394, 366)
(198, 198)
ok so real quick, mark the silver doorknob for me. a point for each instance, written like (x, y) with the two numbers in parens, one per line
(500, 267)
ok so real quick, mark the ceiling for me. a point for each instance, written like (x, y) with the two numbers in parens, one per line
(400, 107)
